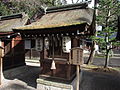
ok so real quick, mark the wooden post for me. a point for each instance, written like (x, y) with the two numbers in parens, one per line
(76, 58)
(30, 53)
(53, 48)
(53, 63)
(1, 68)
(78, 77)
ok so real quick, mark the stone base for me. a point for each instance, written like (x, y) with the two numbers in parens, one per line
(47, 84)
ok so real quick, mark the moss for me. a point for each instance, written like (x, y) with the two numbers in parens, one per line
(90, 66)
(106, 70)
(29, 27)
(117, 68)
(3, 26)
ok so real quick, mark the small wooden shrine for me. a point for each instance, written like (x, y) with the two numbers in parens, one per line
(54, 34)
(12, 42)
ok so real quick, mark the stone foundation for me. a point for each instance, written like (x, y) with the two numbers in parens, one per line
(44, 84)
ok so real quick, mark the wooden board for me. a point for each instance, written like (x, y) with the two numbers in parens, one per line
(76, 56)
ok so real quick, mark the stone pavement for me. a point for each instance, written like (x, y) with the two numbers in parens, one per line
(24, 78)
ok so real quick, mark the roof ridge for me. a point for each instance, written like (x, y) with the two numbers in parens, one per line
(81, 5)
(19, 15)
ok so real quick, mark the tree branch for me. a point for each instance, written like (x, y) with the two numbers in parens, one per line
(72, 1)
(77, 1)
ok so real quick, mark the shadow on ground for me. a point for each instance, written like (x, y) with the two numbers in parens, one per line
(24, 78)
(99, 81)
(27, 74)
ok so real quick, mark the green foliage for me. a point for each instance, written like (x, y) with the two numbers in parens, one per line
(48, 2)
(108, 10)
(4, 10)
(28, 6)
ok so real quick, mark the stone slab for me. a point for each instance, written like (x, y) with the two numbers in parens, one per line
(44, 84)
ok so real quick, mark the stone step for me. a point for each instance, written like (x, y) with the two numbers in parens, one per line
(32, 60)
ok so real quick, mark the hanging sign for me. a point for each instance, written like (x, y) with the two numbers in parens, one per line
(66, 44)
(46, 41)
(39, 44)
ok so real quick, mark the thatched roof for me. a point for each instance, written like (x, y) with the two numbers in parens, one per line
(62, 16)
(7, 23)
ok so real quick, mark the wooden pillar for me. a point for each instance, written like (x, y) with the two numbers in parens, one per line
(12, 50)
(53, 62)
(53, 48)
(1, 64)
(0, 70)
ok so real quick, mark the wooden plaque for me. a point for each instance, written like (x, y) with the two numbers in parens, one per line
(76, 56)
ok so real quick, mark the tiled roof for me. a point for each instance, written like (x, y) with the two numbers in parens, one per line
(7, 23)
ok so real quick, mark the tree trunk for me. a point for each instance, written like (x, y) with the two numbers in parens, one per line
(107, 59)
(107, 51)
(111, 51)
(92, 54)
